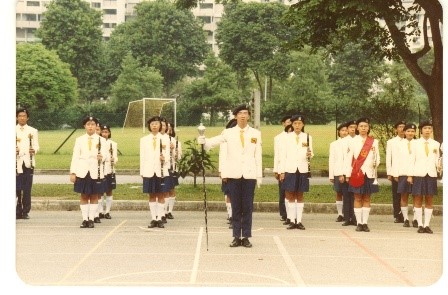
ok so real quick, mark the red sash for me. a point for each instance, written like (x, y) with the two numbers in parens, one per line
(357, 176)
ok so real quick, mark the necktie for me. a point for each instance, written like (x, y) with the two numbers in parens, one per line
(297, 139)
(409, 147)
(242, 137)
(426, 148)
(89, 142)
(154, 143)
(21, 128)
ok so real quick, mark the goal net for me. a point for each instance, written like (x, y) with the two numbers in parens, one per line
(139, 111)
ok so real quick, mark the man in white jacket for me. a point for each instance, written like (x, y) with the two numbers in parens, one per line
(242, 170)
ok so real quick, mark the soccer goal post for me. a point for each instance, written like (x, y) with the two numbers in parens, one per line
(139, 111)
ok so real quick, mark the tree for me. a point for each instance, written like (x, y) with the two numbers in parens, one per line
(135, 82)
(332, 23)
(43, 81)
(250, 37)
(168, 39)
(73, 29)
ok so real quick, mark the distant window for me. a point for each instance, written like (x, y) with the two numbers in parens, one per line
(96, 5)
(33, 3)
(209, 33)
(30, 17)
(110, 11)
(206, 19)
(205, 5)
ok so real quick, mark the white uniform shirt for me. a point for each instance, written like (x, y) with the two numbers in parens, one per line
(84, 160)
(392, 152)
(405, 157)
(239, 161)
(336, 157)
(373, 157)
(421, 163)
(293, 153)
(277, 142)
(111, 145)
(150, 157)
(173, 156)
(23, 142)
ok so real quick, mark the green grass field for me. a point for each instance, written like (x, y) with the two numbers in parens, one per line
(129, 139)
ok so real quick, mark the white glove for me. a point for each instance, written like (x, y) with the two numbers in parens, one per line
(201, 139)
(259, 181)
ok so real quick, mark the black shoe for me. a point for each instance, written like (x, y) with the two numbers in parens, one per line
(97, 220)
(283, 218)
(300, 226)
(163, 220)
(107, 216)
(288, 221)
(414, 223)
(245, 243)
(18, 216)
(359, 227)
(292, 226)
(170, 216)
(90, 224)
(428, 230)
(229, 220)
(235, 243)
(346, 223)
(160, 224)
(25, 216)
(340, 218)
(406, 223)
(399, 220)
(365, 228)
(84, 224)
(152, 224)
(101, 215)
(354, 222)
(231, 226)
(420, 230)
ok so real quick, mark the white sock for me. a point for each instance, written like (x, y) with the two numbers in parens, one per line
(288, 210)
(299, 209)
(92, 211)
(358, 215)
(365, 214)
(100, 206)
(292, 210)
(153, 210)
(84, 211)
(160, 210)
(339, 207)
(165, 205)
(171, 204)
(418, 216)
(404, 210)
(108, 203)
(228, 209)
(428, 215)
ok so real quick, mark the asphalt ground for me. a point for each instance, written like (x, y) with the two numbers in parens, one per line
(52, 251)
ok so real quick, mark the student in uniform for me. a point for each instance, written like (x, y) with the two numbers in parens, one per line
(336, 157)
(221, 162)
(109, 172)
(87, 171)
(295, 153)
(243, 169)
(285, 121)
(176, 154)
(404, 160)
(27, 145)
(363, 158)
(391, 168)
(152, 155)
(348, 198)
(423, 175)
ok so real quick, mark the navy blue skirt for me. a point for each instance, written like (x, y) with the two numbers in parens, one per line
(110, 182)
(89, 186)
(296, 182)
(166, 184)
(424, 186)
(337, 186)
(224, 188)
(151, 185)
(367, 188)
(175, 178)
(403, 185)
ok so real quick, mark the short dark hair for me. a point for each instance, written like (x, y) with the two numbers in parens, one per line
(90, 118)
(23, 110)
(285, 118)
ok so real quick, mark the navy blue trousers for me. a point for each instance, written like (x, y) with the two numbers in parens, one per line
(24, 183)
(242, 199)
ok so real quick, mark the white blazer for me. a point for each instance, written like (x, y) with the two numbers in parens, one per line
(85, 160)
(405, 157)
(277, 142)
(422, 164)
(23, 143)
(150, 158)
(336, 158)
(111, 145)
(354, 148)
(392, 152)
(239, 161)
(173, 157)
(293, 154)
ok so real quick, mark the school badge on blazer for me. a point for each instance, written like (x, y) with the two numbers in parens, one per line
(253, 140)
